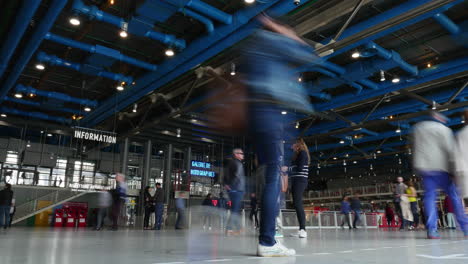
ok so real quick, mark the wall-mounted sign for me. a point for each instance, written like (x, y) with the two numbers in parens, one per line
(202, 169)
(95, 135)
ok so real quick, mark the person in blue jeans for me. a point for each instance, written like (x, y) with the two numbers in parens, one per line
(272, 87)
(235, 186)
(356, 207)
(6, 196)
(345, 210)
(159, 206)
(434, 144)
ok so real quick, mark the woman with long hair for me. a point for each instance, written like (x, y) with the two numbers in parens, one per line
(299, 179)
(149, 206)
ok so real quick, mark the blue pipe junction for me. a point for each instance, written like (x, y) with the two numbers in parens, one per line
(58, 96)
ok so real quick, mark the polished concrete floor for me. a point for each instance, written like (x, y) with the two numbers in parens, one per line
(52, 246)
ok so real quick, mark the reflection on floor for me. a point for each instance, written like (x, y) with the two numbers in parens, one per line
(54, 246)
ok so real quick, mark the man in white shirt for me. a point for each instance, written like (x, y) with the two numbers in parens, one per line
(461, 160)
(434, 147)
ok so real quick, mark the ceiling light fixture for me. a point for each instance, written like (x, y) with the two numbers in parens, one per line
(3, 115)
(356, 55)
(18, 95)
(434, 105)
(429, 65)
(135, 108)
(161, 151)
(32, 95)
(297, 125)
(233, 69)
(178, 132)
(49, 135)
(335, 158)
(342, 141)
(169, 52)
(120, 88)
(355, 162)
(249, 1)
(284, 112)
(123, 34)
(395, 79)
(299, 79)
(87, 109)
(398, 130)
(29, 144)
(74, 21)
(382, 76)
(40, 66)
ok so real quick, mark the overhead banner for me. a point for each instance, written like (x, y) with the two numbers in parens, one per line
(202, 169)
(95, 135)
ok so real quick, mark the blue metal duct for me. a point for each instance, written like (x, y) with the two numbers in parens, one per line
(199, 51)
(203, 8)
(135, 25)
(84, 68)
(394, 56)
(98, 49)
(58, 96)
(208, 23)
(35, 115)
(447, 23)
(28, 51)
(22, 21)
(39, 105)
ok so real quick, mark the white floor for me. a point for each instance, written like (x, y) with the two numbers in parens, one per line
(53, 246)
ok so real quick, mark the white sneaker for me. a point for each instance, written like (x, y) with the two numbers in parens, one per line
(277, 250)
(302, 233)
(278, 234)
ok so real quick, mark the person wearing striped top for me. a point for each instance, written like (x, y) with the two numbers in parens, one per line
(299, 174)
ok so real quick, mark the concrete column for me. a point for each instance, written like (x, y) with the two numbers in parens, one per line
(124, 153)
(168, 173)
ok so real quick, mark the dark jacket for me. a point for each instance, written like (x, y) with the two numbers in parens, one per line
(148, 199)
(5, 197)
(356, 204)
(235, 177)
(207, 202)
(253, 203)
(300, 166)
(159, 195)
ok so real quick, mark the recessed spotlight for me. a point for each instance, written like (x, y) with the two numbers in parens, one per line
(87, 109)
(233, 73)
(161, 151)
(74, 21)
(135, 106)
(123, 34)
(297, 125)
(49, 135)
(355, 162)
(32, 95)
(382, 76)
(3, 115)
(119, 88)
(299, 79)
(398, 130)
(463, 121)
(29, 144)
(284, 112)
(249, 1)
(335, 158)
(429, 65)
(169, 52)
(341, 141)
(18, 95)
(356, 55)
(395, 80)
(40, 66)
(379, 151)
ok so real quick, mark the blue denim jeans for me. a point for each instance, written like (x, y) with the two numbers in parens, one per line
(4, 214)
(159, 210)
(234, 220)
(432, 181)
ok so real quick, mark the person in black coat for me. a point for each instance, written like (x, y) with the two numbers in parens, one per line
(149, 206)
(6, 196)
(208, 206)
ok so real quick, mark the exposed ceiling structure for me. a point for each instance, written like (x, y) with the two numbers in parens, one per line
(388, 63)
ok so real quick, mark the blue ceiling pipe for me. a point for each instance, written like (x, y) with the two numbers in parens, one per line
(84, 68)
(58, 96)
(370, 149)
(392, 55)
(28, 51)
(208, 23)
(39, 105)
(426, 75)
(98, 49)
(199, 51)
(35, 115)
(22, 20)
(447, 23)
(135, 26)
(204, 9)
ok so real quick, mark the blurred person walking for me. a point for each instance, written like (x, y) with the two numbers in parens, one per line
(345, 211)
(254, 210)
(299, 180)
(6, 196)
(434, 146)
(389, 214)
(400, 190)
(119, 195)
(180, 207)
(148, 205)
(413, 199)
(356, 208)
(462, 158)
(222, 210)
(207, 206)
(235, 186)
(450, 213)
(158, 206)
(104, 201)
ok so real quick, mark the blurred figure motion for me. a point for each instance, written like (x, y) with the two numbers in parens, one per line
(413, 199)
(149, 206)
(345, 210)
(449, 212)
(406, 211)
(12, 210)
(389, 214)
(158, 206)
(222, 210)
(434, 146)
(462, 158)
(6, 196)
(119, 195)
(180, 207)
(356, 208)
(104, 202)
(284, 185)
(235, 186)
(400, 190)
(272, 87)
(254, 210)
(207, 206)
(299, 181)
